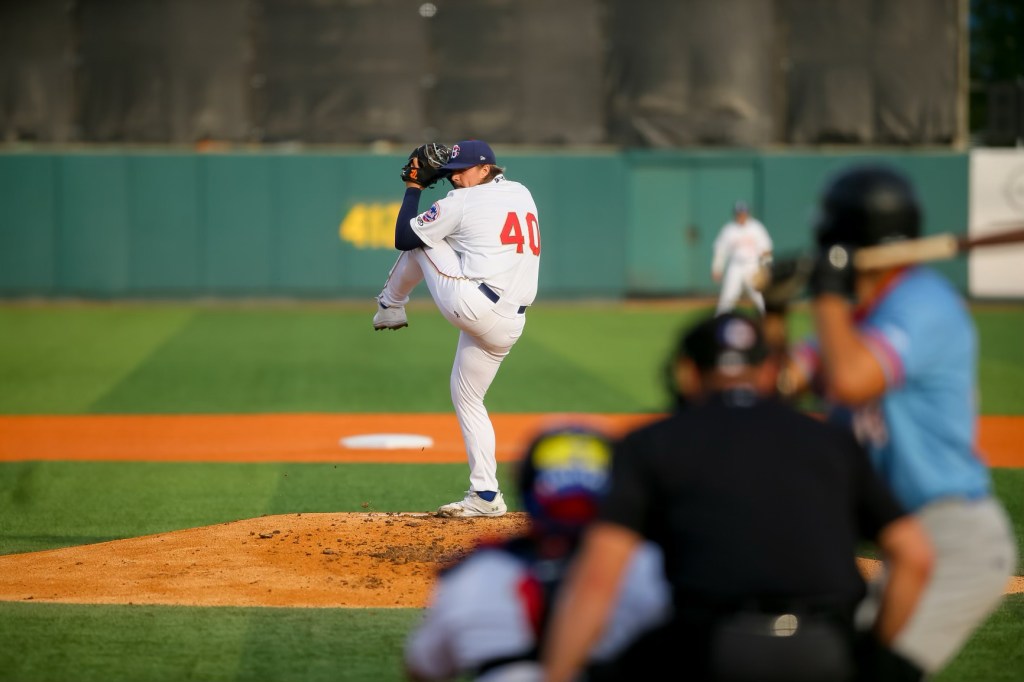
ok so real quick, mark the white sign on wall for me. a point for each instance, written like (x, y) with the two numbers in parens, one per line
(996, 203)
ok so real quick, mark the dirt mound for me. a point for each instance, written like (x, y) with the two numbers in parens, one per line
(311, 560)
(303, 560)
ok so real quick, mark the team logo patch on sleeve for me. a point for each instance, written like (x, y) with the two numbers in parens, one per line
(430, 215)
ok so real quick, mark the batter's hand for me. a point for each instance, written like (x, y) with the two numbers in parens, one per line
(833, 271)
(424, 165)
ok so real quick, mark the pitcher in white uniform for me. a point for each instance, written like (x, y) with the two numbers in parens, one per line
(742, 246)
(478, 250)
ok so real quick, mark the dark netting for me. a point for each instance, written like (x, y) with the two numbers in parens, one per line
(916, 67)
(697, 72)
(526, 71)
(162, 70)
(36, 53)
(871, 71)
(656, 73)
(477, 88)
(562, 83)
(340, 72)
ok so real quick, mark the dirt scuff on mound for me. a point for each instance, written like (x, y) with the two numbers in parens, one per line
(304, 560)
(295, 560)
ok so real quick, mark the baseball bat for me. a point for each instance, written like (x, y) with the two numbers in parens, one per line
(907, 252)
(938, 247)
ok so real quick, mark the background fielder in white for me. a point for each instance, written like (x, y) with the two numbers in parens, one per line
(741, 245)
(484, 233)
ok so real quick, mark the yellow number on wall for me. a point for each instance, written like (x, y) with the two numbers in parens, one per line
(370, 226)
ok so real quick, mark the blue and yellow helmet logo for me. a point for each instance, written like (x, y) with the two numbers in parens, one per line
(570, 462)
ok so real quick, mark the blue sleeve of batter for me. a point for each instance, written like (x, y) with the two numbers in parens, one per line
(917, 313)
(405, 238)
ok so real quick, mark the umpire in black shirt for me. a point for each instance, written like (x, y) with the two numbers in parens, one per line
(760, 510)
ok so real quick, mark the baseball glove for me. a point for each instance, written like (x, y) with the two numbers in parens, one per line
(424, 164)
(782, 281)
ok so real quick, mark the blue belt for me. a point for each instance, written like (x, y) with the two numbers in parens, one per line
(491, 294)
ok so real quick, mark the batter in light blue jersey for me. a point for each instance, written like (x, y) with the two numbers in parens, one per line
(926, 437)
(896, 351)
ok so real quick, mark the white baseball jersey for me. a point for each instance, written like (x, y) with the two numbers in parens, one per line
(740, 245)
(487, 234)
(737, 251)
(480, 612)
(494, 229)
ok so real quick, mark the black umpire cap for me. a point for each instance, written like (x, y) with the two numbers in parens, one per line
(724, 342)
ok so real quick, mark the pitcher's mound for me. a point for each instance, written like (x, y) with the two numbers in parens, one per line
(341, 560)
(308, 560)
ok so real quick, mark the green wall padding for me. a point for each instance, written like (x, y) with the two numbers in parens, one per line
(118, 223)
(29, 212)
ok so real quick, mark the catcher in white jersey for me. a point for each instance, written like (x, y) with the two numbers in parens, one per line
(488, 613)
(478, 250)
(741, 247)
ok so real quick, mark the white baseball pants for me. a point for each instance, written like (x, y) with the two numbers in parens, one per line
(488, 331)
(737, 280)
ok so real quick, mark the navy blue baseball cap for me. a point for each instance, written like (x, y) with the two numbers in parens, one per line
(724, 341)
(469, 153)
(740, 207)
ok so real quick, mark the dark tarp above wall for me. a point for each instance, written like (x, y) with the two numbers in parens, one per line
(358, 72)
(872, 71)
(36, 63)
(519, 71)
(162, 70)
(338, 72)
(696, 72)
(657, 73)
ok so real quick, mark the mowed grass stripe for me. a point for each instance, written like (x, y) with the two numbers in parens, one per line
(60, 642)
(63, 360)
(623, 352)
(291, 360)
(1009, 488)
(57, 642)
(191, 358)
(1001, 365)
(46, 505)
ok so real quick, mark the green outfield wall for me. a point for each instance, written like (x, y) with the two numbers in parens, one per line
(114, 224)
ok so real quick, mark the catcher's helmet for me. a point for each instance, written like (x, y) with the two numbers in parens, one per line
(867, 205)
(562, 478)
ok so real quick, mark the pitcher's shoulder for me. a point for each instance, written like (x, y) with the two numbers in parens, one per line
(519, 188)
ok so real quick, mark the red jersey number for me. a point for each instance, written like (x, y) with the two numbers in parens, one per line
(512, 232)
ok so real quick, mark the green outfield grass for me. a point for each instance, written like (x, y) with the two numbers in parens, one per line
(176, 358)
(45, 505)
(135, 359)
(58, 643)
(93, 643)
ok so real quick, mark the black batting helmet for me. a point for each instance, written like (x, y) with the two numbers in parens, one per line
(867, 205)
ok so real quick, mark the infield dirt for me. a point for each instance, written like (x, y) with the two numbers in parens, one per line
(369, 559)
(294, 560)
